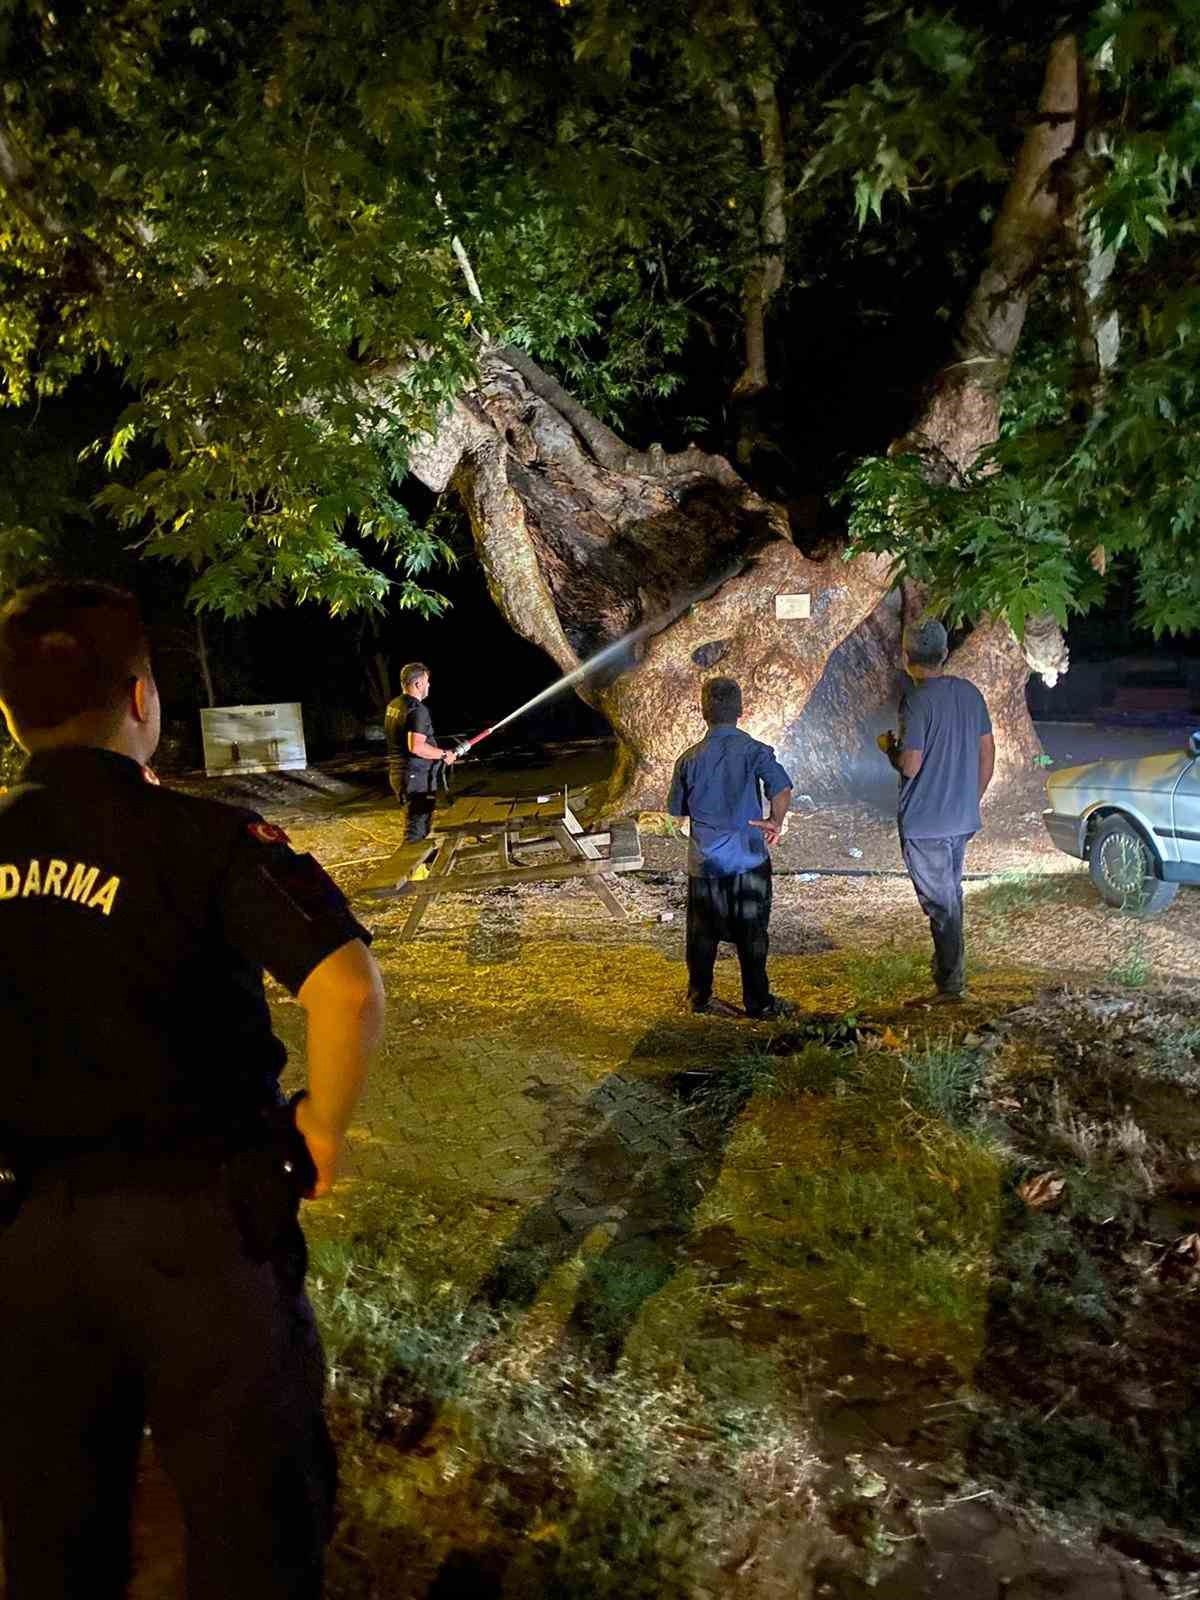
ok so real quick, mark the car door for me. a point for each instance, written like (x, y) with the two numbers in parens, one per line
(1185, 813)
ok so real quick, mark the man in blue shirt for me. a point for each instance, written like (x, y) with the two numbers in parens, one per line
(945, 757)
(720, 784)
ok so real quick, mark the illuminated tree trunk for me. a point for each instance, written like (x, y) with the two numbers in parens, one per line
(584, 541)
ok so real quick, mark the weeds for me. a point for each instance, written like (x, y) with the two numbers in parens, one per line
(1176, 1059)
(1122, 1143)
(1132, 970)
(577, 1480)
(1012, 890)
(942, 1082)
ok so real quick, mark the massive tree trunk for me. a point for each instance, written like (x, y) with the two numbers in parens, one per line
(585, 542)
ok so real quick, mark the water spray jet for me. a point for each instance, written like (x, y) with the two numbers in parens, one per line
(605, 654)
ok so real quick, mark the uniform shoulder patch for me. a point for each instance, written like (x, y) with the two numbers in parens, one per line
(267, 833)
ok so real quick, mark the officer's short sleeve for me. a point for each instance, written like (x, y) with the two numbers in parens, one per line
(985, 720)
(280, 910)
(419, 720)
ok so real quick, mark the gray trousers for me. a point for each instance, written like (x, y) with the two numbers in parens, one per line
(936, 869)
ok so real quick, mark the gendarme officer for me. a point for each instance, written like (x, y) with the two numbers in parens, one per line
(414, 757)
(151, 1263)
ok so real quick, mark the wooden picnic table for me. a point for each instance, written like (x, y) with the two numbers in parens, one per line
(498, 826)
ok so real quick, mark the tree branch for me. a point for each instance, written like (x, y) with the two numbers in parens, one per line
(765, 277)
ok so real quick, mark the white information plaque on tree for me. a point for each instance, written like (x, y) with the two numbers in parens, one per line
(791, 607)
(253, 739)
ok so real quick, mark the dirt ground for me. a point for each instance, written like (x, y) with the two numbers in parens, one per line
(622, 1301)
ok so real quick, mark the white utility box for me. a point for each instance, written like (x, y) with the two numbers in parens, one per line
(253, 739)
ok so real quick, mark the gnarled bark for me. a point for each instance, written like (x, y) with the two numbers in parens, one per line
(580, 553)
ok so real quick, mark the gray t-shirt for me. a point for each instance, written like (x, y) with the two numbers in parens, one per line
(945, 718)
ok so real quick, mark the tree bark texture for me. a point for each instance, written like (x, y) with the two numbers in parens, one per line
(831, 746)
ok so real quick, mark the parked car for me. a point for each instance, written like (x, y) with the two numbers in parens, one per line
(1135, 823)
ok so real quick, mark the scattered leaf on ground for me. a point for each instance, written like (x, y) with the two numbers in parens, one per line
(1041, 1191)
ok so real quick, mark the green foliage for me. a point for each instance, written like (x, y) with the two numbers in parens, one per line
(943, 1080)
(919, 119)
(1013, 535)
(1132, 968)
(251, 223)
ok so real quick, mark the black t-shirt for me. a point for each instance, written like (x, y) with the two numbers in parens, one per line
(136, 924)
(945, 718)
(407, 772)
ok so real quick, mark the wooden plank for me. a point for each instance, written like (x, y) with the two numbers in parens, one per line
(470, 882)
(438, 872)
(400, 865)
(625, 844)
(575, 841)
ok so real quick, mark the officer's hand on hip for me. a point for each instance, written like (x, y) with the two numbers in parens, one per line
(324, 1146)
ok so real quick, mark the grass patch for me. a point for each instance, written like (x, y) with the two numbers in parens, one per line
(879, 976)
(1011, 890)
(477, 1446)
(1176, 1059)
(943, 1081)
(858, 1205)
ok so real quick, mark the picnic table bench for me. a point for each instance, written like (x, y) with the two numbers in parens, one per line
(476, 827)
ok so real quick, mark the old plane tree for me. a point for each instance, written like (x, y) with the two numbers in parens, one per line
(328, 251)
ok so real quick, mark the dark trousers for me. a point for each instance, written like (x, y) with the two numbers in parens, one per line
(124, 1307)
(936, 869)
(418, 815)
(737, 909)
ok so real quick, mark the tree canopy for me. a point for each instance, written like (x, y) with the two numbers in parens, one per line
(287, 227)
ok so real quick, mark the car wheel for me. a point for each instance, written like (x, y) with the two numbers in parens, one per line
(1122, 868)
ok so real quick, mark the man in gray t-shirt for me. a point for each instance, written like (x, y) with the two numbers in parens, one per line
(945, 756)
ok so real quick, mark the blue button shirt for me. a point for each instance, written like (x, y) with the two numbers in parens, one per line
(719, 783)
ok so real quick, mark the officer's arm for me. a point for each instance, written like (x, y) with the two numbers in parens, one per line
(343, 1000)
(419, 745)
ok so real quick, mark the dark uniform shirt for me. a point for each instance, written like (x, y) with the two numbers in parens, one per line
(945, 718)
(409, 774)
(719, 783)
(135, 924)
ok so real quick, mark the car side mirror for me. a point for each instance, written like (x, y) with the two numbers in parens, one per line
(1194, 743)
